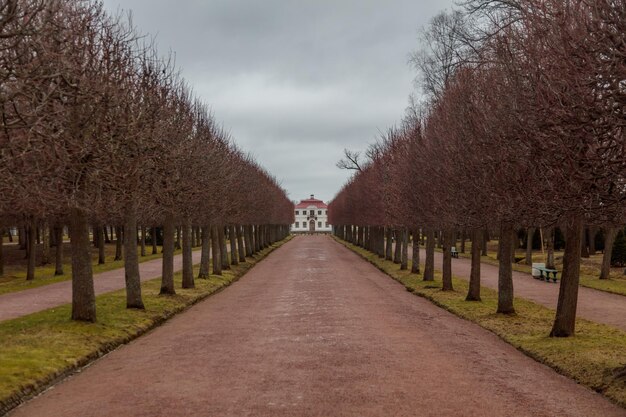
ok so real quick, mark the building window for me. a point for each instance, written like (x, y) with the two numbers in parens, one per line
(319, 211)
(297, 224)
(326, 224)
(297, 212)
(319, 224)
(312, 212)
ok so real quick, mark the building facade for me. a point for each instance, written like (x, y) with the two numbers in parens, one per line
(311, 217)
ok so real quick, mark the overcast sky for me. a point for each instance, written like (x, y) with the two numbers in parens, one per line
(295, 82)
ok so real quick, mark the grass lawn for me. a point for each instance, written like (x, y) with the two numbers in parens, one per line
(589, 270)
(37, 349)
(595, 357)
(14, 278)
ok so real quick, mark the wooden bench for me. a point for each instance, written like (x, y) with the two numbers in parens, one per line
(544, 273)
(454, 252)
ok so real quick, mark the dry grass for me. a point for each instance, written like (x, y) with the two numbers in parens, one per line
(14, 278)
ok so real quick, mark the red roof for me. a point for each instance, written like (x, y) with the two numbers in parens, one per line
(311, 202)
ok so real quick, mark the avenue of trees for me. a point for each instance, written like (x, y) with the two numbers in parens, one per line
(522, 126)
(100, 133)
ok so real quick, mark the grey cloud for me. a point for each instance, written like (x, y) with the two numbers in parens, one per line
(295, 82)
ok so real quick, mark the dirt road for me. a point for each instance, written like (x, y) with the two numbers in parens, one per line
(314, 330)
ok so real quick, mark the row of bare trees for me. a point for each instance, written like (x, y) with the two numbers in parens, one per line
(98, 129)
(522, 126)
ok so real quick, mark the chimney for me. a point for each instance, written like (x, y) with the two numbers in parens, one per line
(312, 196)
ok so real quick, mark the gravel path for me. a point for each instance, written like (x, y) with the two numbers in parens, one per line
(594, 305)
(314, 330)
(21, 303)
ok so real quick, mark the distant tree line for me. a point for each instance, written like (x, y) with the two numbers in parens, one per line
(521, 127)
(100, 133)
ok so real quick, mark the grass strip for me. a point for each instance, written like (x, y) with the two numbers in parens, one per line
(15, 280)
(595, 357)
(615, 284)
(40, 349)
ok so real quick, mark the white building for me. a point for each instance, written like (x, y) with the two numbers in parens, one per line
(311, 217)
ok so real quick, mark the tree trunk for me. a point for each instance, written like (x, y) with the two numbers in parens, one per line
(58, 261)
(22, 238)
(131, 261)
(397, 253)
(550, 249)
(242, 250)
(429, 266)
(529, 245)
(205, 253)
(462, 250)
(514, 245)
(258, 242)
(593, 231)
(389, 246)
(505, 270)
(483, 243)
(107, 239)
(404, 261)
(2, 253)
(380, 242)
(257, 238)
(10, 234)
(473, 293)
(223, 248)
(83, 294)
(94, 233)
(234, 253)
(215, 250)
(253, 242)
(415, 263)
(118, 243)
(178, 233)
(584, 245)
(167, 274)
(143, 240)
(247, 235)
(262, 236)
(31, 249)
(187, 256)
(447, 238)
(565, 320)
(154, 241)
(609, 238)
(101, 246)
(45, 248)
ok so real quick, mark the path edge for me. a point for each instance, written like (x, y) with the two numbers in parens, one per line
(27, 393)
(521, 349)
